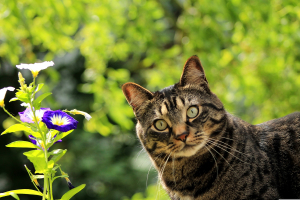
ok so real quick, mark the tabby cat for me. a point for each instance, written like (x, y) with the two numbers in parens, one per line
(202, 152)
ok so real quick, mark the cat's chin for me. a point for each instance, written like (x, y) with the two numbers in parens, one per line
(189, 150)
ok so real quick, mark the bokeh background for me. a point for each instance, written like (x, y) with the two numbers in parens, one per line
(250, 51)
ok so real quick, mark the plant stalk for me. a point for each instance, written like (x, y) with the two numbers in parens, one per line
(45, 152)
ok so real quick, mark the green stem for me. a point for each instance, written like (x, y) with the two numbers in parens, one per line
(51, 195)
(44, 138)
(45, 151)
(33, 81)
(15, 117)
(11, 115)
(45, 186)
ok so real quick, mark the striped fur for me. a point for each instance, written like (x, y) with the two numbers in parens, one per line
(214, 155)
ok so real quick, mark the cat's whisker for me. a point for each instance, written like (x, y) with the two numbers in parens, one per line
(157, 188)
(219, 154)
(218, 145)
(214, 159)
(228, 146)
(173, 169)
(159, 178)
(148, 175)
(163, 168)
(198, 139)
(150, 169)
(227, 138)
(143, 149)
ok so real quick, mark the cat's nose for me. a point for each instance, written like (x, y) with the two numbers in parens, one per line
(182, 136)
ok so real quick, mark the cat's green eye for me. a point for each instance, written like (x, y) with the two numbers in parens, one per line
(160, 124)
(192, 112)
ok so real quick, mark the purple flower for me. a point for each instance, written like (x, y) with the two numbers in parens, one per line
(59, 120)
(27, 115)
(39, 142)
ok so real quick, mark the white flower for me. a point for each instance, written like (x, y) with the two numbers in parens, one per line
(2, 94)
(86, 115)
(36, 67)
(25, 104)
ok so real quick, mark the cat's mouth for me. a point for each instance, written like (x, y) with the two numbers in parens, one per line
(189, 149)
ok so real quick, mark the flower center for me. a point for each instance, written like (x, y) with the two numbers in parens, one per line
(35, 73)
(1, 103)
(31, 116)
(59, 120)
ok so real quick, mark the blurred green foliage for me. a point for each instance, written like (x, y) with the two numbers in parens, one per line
(250, 51)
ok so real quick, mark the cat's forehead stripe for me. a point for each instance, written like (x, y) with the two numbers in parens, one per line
(180, 102)
(164, 108)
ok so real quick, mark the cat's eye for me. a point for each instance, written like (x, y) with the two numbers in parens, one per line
(160, 124)
(192, 112)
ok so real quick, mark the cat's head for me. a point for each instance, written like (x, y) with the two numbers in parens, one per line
(178, 119)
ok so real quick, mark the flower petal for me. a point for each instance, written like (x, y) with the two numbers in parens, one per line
(25, 104)
(27, 115)
(59, 120)
(86, 115)
(32, 139)
(4, 90)
(36, 66)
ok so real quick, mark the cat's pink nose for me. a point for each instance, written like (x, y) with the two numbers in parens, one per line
(182, 136)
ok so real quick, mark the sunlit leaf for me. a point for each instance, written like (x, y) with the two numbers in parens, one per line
(39, 99)
(15, 128)
(50, 164)
(14, 195)
(62, 135)
(22, 96)
(39, 87)
(21, 191)
(72, 192)
(22, 144)
(57, 154)
(37, 157)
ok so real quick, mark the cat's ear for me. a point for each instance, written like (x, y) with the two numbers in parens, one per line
(193, 72)
(136, 95)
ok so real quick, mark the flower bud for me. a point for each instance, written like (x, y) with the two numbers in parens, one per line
(22, 81)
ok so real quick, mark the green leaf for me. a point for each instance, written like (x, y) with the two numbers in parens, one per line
(72, 192)
(15, 128)
(14, 195)
(50, 164)
(43, 127)
(37, 101)
(57, 154)
(37, 157)
(39, 87)
(35, 134)
(22, 191)
(62, 135)
(21, 127)
(22, 96)
(22, 144)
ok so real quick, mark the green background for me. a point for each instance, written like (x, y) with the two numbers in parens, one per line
(250, 51)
